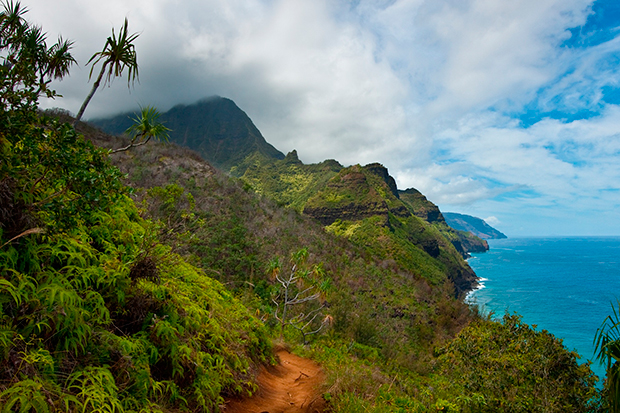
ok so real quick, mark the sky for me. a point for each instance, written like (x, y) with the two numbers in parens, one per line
(505, 110)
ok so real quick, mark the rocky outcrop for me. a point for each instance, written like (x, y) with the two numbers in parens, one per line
(349, 212)
(382, 172)
(474, 244)
(420, 206)
(358, 193)
(349, 197)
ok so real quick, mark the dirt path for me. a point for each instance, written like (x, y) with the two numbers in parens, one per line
(290, 387)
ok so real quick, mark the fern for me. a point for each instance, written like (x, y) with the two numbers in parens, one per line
(96, 390)
(25, 396)
(39, 358)
(6, 287)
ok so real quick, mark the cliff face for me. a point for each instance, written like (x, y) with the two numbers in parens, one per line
(355, 194)
(463, 241)
(420, 206)
(363, 204)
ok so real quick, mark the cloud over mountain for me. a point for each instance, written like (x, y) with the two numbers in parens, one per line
(498, 108)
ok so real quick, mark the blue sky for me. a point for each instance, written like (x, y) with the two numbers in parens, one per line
(506, 110)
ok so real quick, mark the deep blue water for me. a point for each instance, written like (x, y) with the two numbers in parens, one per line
(563, 285)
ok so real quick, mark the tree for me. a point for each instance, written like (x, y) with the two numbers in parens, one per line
(46, 169)
(117, 54)
(607, 348)
(28, 65)
(299, 287)
(145, 127)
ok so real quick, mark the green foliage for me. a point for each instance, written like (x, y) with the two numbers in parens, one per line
(218, 242)
(28, 64)
(489, 367)
(95, 314)
(145, 127)
(117, 55)
(515, 368)
(289, 182)
(27, 395)
(96, 390)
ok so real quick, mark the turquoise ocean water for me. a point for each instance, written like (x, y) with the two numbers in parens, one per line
(563, 285)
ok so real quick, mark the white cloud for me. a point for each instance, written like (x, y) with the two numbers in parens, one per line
(426, 87)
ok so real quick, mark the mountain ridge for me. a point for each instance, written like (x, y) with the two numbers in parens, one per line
(225, 136)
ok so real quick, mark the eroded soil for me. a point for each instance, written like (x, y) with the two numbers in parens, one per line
(293, 386)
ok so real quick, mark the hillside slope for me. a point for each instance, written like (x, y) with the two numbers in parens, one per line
(96, 314)
(220, 224)
(389, 322)
(356, 202)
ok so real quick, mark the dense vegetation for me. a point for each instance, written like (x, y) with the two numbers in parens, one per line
(126, 278)
(95, 313)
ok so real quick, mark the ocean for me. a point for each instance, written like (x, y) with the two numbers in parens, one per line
(564, 285)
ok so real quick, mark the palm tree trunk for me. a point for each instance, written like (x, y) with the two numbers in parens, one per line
(90, 95)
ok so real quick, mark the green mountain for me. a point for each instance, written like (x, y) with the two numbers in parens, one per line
(215, 128)
(363, 205)
(472, 225)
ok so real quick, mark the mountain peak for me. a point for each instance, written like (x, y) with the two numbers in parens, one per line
(292, 158)
(215, 127)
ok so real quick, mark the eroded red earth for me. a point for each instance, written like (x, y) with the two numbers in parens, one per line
(293, 386)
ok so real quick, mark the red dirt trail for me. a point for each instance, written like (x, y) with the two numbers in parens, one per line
(293, 386)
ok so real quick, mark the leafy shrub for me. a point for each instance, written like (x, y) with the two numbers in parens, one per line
(509, 366)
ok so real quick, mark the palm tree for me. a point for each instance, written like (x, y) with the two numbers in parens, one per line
(25, 53)
(607, 342)
(12, 23)
(145, 127)
(117, 54)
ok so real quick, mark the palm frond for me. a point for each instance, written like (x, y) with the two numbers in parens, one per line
(607, 352)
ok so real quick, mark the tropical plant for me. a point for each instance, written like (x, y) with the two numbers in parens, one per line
(145, 127)
(607, 345)
(117, 55)
(26, 59)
